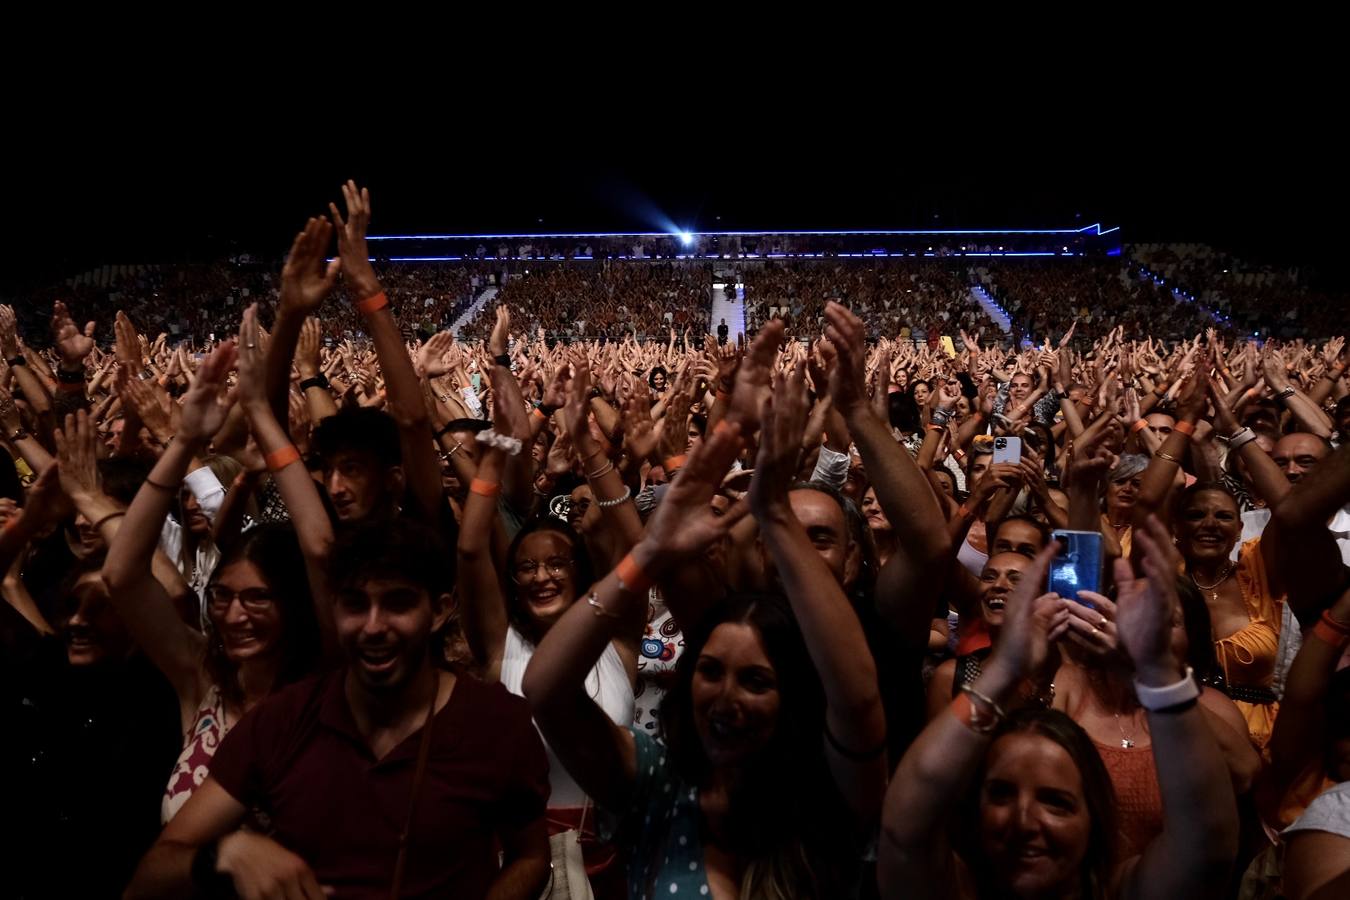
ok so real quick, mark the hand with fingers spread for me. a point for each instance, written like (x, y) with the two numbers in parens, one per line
(685, 524)
(641, 436)
(208, 401)
(559, 460)
(431, 356)
(145, 401)
(77, 456)
(307, 276)
(752, 379)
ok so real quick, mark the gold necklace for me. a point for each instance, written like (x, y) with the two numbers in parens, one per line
(1210, 591)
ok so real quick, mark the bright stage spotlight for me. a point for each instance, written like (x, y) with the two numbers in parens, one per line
(686, 238)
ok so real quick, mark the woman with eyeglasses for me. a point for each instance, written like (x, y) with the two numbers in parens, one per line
(261, 628)
(511, 600)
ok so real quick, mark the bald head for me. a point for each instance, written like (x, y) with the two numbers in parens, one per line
(1297, 453)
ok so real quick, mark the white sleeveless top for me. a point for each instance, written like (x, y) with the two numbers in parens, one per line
(607, 684)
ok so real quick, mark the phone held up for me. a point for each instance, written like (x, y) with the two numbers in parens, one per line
(1078, 567)
(1007, 450)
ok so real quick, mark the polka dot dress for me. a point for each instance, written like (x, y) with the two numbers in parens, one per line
(662, 828)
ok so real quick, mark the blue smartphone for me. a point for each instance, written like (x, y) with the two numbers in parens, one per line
(1078, 567)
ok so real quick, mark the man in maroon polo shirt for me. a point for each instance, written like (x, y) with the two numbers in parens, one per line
(333, 761)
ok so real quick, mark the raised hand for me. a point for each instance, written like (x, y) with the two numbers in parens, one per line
(71, 343)
(780, 441)
(684, 524)
(306, 279)
(1024, 641)
(351, 234)
(10, 419)
(128, 345)
(752, 379)
(77, 457)
(640, 435)
(431, 361)
(144, 401)
(1146, 606)
(848, 383)
(1273, 366)
(1091, 459)
(207, 402)
(307, 357)
(501, 332)
(9, 333)
(252, 387)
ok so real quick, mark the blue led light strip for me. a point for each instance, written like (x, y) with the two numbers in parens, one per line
(1094, 230)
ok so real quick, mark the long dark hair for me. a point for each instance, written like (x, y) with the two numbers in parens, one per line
(1100, 796)
(582, 570)
(275, 551)
(785, 812)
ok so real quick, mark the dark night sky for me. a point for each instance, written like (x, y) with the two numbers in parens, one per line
(121, 183)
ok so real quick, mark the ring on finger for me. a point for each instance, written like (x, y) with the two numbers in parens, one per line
(1095, 634)
(1102, 622)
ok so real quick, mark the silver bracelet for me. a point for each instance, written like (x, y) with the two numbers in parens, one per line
(1240, 440)
(606, 504)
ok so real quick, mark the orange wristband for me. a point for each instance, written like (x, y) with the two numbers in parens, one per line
(1186, 428)
(674, 463)
(631, 575)
(962, 709)
(280, 459)
(1330, 635)
(1138, 426)
(484, 488)
(373, 304)
(540, 413)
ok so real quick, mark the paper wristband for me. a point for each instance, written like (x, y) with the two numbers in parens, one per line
(373, 304)
(1186, 428)
(1338, 627)
(540, 413)
(674, 463)
(1138, 426)
(280, 459)
(484, 488)
(632, 576)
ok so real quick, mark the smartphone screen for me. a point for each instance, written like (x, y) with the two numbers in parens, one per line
(1007, 450)
(1078, 567)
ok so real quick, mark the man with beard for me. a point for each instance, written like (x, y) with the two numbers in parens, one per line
(388, 775)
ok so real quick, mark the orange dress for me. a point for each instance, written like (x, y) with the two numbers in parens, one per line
(1248, 655)
(1139, 807)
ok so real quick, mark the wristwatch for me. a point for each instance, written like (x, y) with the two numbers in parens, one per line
(17, 435)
